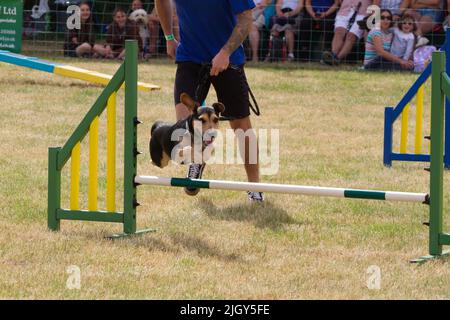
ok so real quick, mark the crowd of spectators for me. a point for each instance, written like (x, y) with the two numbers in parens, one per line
(127, 24)
(288, 29)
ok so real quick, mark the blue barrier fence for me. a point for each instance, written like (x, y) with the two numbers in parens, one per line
(391, 114)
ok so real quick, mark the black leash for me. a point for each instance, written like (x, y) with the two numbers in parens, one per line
(204, 81)
(353, 17)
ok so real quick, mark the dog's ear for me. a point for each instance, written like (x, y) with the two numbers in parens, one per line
(188, 102)
(218, 107)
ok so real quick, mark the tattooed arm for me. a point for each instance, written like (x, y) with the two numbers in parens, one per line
(239, 34)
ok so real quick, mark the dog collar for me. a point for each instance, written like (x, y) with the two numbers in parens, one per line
(204, 109)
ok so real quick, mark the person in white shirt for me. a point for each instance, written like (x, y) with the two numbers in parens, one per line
(346, 30)
(286, 21)
(403, 42)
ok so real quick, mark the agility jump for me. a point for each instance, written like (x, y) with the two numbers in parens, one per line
(64, 70)
(402, 110)
(283, 188)
(127, 73)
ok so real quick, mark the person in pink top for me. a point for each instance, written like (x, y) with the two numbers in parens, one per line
(259, 22)
(346, 29)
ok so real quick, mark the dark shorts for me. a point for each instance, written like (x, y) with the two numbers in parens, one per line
(436, 15)
(230, 85)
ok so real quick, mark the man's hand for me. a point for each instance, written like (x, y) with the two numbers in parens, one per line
(172, 48)
(220, 62)
(243, 26)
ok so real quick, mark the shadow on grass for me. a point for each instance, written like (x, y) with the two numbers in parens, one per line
(202, 247)
(33, 82)
(264, 215)
(179, 242)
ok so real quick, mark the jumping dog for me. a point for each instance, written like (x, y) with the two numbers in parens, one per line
(176, 141)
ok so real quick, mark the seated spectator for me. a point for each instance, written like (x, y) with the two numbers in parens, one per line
(392, 5)
(286, 20)
(427, 13)
(119, 30)
(81, 42)
(403, 42)
(346, 30)
(319, 15)
(259, 22)
(154, 28)
(141, 19)
(378, 46)
(135, 5)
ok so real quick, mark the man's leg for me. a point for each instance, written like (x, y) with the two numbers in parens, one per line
(248, 151)
(353, 35)
(350, 40)
(232, 90)
(186, 82)
(338, 40)
(254, 42)
(328, 24)
(290, 42)
(83, 49)
(181, 111)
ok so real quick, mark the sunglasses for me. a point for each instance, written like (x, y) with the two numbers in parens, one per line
(386, 18)
(409, 23)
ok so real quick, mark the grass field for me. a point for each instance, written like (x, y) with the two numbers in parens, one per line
(218, 245)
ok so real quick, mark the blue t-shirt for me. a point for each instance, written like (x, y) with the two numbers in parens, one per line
(206, 26)
(320, 6)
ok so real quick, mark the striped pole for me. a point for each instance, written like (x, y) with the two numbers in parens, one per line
(111, 154)
(419, 121)
(284, 188)
(93, 165)
(404, 130)
(75, 177)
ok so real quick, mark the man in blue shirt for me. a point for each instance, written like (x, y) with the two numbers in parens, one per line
(212, 31)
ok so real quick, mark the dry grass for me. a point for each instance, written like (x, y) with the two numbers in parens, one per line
(217, 245)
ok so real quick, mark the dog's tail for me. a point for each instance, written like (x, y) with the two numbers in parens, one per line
(155, 126)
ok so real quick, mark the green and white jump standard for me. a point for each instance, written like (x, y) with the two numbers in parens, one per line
(284, 188)
(127, 73)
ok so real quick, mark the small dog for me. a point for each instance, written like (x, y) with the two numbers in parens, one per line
(140, 17)
(176, 141)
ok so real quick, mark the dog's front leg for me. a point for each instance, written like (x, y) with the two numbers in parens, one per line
(197, 155)
(186, 155)
(208, 152)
